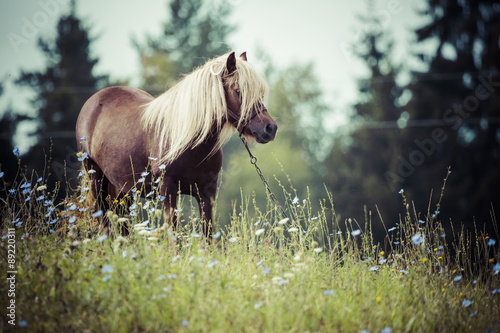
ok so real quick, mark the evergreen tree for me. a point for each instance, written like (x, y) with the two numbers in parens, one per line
(62, 89)
(195, 31)
(361, 156)
(458, 98)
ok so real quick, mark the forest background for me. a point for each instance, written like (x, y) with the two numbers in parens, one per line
(412, 118)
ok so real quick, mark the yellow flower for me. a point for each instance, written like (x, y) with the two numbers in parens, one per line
(116, 201)
(122, 202)
(139, 203)
(435, 249)
(381, 253)
(454, 271)
(491, 260)
(378, 299)
(138, 191)
(432, 292)
(439, 258)
(461, 294)
(425, 260)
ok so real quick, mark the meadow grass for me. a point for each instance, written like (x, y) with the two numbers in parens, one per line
(259, 273)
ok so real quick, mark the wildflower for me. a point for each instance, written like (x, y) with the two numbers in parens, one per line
(184, 323)
(421, 221)
(378, 299)
(144, 173)
(457, 278)
(401, 191)
(328, 292)
(260, 262)
(212, 264)
(491, 242)
(12, 191)
(403, 271)
(162, 167)
(23, 323)
(259, 232)
(152, 158)
(392, 229)
(293, 230)
(278, 230)
(72, 219)
(2, 174)
(40, 198)
(25, 185)
(216, 235)
(28, 199)
(417, 239)
(295, 200)
(257, 305)
(382, 261)
(107, 269)
(26, 191)
(172, 276)
(266, 270)
(374, 268)
(466, 303)
(16, 151)
(81, 173)
(106, 278)
(356, 232)
(97, 214)
(496, 268)
(73, 207)
(83, 157)
(233, 239)
(339, 232)
(381, 253)
(140, 180)
(283, 221)
(386, 330)
(195, 235)
(91, 171)
(318, 250)
(425, 260)
(101, 238)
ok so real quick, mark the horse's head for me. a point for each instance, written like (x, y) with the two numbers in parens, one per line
(245, 91)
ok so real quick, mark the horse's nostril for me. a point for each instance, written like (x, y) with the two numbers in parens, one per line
(271, 129)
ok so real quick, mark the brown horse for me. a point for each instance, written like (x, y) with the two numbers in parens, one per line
(132, 140)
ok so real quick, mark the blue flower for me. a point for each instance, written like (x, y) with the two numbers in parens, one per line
(184, 323)
(140, 180)
(40, 198)
(25, 185)
(53, 221)
(172, 276)
(328, 292)
(83, 138)
(457, 278)
(26, 191)
(466, 303)
(47, 202)
(133, 213)
(27, 199)
(260, 262)
(397, 243)
(356, 232)
(101, 238)
(23, 323)
(392, 229)
(85, 189)
(403, 271)
(386, 330)
(2, 174)
(421, 221)
(133, 206)
(212, 264)
(12, 191)
(97, 214)
(16, 151)
(107, 269)
(374, 268)
(492, 242)
(442, 235)
(39, 179)
(144, 173)
(216, 235)
(257, 305)
(81, 173)
(266, 270)
(339, 232)
(496, 268)
(73, 207)
(162, 167)
(417, 239)
(106, 278)
(233, 239)
(72, 219)
(401, 191)
(84, 156)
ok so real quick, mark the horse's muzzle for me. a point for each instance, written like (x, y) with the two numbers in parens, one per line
(267, 134)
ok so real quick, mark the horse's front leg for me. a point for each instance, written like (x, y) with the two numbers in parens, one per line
(206, 198)
(170, 206)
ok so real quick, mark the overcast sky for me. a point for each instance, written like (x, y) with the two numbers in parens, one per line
(290, 31)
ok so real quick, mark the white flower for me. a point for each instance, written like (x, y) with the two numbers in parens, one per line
(145, 233)
(318, 250)
(283, 221)
(259, 232)
(153, 238)
(91, 171)
(41, 188)
(293, 229)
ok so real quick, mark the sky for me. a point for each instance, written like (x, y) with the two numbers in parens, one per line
(289, 31)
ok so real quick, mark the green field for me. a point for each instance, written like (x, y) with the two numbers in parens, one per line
(261, 273)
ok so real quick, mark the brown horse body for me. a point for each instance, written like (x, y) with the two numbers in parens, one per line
(121, 151)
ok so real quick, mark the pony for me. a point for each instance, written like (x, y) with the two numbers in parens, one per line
(172, 144)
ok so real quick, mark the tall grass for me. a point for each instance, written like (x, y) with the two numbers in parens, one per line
(259, 272)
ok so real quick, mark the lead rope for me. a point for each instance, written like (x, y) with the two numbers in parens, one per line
(253, 160)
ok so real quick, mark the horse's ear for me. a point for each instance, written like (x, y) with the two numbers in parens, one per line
(231, 63)
(243, 56)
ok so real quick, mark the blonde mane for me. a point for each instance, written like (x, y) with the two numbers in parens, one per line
(185, 115)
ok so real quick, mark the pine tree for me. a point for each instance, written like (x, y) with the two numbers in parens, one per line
(62, 89)
(196, 31)
(362, 156)
(458, 96)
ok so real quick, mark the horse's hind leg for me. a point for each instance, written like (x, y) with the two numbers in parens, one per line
(99, 186)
